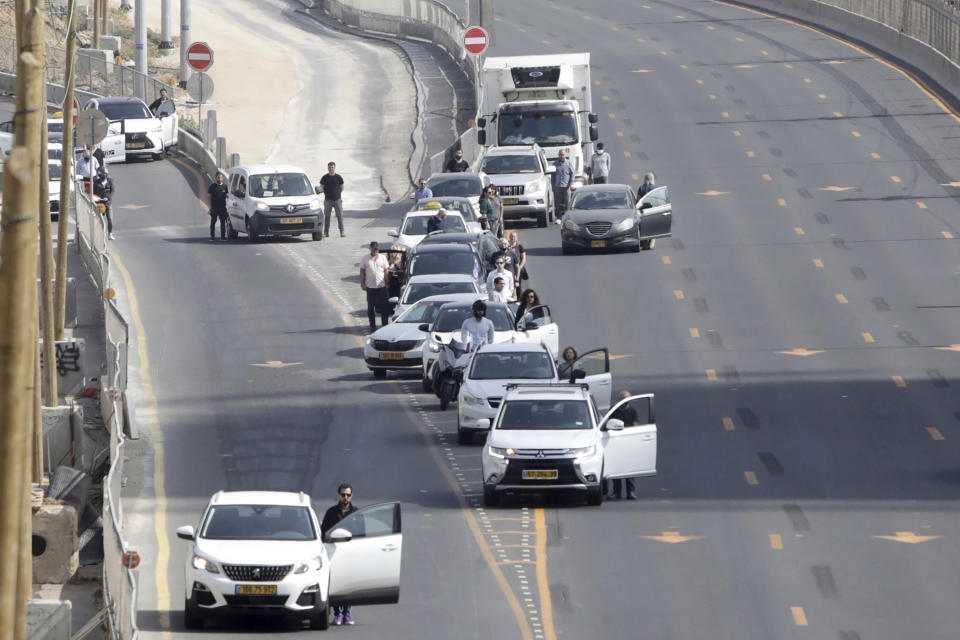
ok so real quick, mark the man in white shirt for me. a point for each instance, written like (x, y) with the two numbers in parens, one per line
(477, 330)
(87, 166)
(499, 293)
(374, 274)
(501, 272)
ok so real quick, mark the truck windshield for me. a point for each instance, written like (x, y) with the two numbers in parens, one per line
(550, 128)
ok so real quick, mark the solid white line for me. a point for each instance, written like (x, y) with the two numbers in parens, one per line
(480, 40)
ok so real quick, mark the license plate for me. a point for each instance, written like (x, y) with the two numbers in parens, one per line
(292, 220)
(136, 145)
(391, 356)
(510, 201)
(540, 474)
(256, 589)
(598, 243)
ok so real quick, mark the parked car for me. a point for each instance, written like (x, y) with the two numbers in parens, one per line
(461, 185)
(430, 259)
(413, 227)
(143, 133)
(419, 287)
(522, 176)
(272, 200)
(608, 216)
(452, 204)
(485, 243)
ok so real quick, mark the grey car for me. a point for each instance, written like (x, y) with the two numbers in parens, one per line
(608, 216)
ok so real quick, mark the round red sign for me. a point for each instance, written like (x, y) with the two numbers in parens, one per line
(199, 56)
(475, 40)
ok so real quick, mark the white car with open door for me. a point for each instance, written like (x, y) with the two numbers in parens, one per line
(493, 367)
(144, 134)
(261, 552)
(550, 437)
(656, 216)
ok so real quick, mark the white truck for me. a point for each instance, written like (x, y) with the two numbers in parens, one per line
(544, 100)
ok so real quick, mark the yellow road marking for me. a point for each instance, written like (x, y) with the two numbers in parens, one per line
(837, 114)
(665, 259)
(521, 30)
(680, 17)
(736, 133)
(725, 114)
(712, 192)
(802, 352)
(672, 537)
(711, 374)
(699, 81)
(781, 202)
(776, 542)
(642, 71)
(613, 115)
(745, 66)
(546, 605)
(950, 184)
(694, 332)
(605, 98)
(764, 53)
(663, 53)
(867, 337)
(807, 80)
(767, 176)
(935, 433)
(640, 40)
(875, 156)
(750, 477)
(908, 536)
(728, 424)
(544, 42)
(596, 82)
(822, 96)
(683, 66)
(947, 235)
(836, 188)
(619, 134)
(817, 262)
(896, 179)
(678, 294)
(855, 134)
(626, 154)
(636, 176)
(922, 205)
(275, 364)
(739, 39)
(799, 616)
(751, 154)
(710, 27)
(615, 28)
(898, 380)
(799, 231)
(713, 97)
(842, 299)
(953, 347)
(788, 66)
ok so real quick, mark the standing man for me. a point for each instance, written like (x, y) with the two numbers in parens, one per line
(100, 190)
(87, 166)
(600, 165)
(422, 192)
(628, 415)
(477, 330)
(497, 204)
(374, 275)
(437, 223)
(336, 513)
(457, 164)
(499, 293)
(501, 272)
(218, 206)
(561, 181)
(159, 101)
(332, 192)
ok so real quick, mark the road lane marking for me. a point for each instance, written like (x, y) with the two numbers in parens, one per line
(636, 177)
(802, 352)
(950, 184)
(837, 114)
(764, 53)
(642, 71)
(867, 337)
(855, 134)
(776, 542)
(619, 134)
(710, 27)
(712, 192)
(694, 332)
(664, 53)
(767, 176)
(935, 433)
(817, 262)
(626, 154)
(728, 424)
(683, 66)
(899, 381)
(699, 81)
(275, 364)
(672, 537)
(822, 96)
(799, 231)
(842, 299)
(799, 616)
(713, 97)
(612, 115)
(836, 188)
(546, 605)
(781, 202)
(908, 537)
(788, 66)
(807, 80)
(711, 375)
(947, 235)
(678, 294)
(739, 39)
(726, 114)
(896, 179)
(751, 154)
(750, 477)
(922, 205)
(665, 259)
(875, 156)
(605, 98)
(736, 133)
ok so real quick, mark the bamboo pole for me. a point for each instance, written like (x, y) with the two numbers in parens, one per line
(96, 25)
(49, 387)
(66, 183)
(104, 13)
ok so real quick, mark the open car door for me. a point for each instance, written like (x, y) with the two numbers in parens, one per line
(537, 325)
(167, 114)
(365, 565)
(596, 364)
(656, 214)
(114, 145)
(630, 451)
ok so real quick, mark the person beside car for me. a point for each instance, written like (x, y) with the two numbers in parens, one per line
(649, 184)
(567, 359)
(159, 101)
(600, 165)
(501, 272)
(437, 222)
(342, 614)
(477, 330)
(422, 192)
(528, 300)
(562, 180)
(628, 415)
(218, 207)
(374, 277)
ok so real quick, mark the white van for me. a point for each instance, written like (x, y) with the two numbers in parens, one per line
(274, 200)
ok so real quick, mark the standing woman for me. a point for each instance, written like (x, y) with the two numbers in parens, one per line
(649, 184)
(528, 300)
(486, 210)
(513, 244)
(567, 360)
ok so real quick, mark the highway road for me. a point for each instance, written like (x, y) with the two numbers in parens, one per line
(799, 331)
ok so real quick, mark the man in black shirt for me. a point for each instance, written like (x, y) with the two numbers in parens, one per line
(457, 164)
(159, 101)
(332, 190)
(100, 190)
(437, 223)
(342, 613)
(218, 206)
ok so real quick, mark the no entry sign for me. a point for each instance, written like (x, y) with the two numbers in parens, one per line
(475, 40)
(200, 56)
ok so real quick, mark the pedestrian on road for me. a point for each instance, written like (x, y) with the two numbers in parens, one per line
(600, 165)
(437, 222)
(561, 182)
(497, 204)
(501, 272)
(101, 191)
(528, 300)
(457, 164)
(628, 415)
(87, 166)
(342, 614)
(508, 256)
(332, 192)
(98, 154)
(477, 330)
(513, 243)
(649, 184)
(567, 360)
(159, 101)
(499, 293)
(374, 276)
(422, 192)
(218, 206)
(487, 216)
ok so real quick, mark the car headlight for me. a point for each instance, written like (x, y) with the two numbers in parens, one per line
(314, 204)
(532, 187)
(583, 452)
(314, 564)
(570, 225)
(435, 347)
(157, 129)
(262, 206)
(199, 562)
(469, 399)
(500, 452)
(625, 224)
(369, 340)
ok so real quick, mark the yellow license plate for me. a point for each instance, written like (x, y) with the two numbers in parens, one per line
(256, 589)
(598, 243)
(391, 356)
(136, 145)
(539, 474)
(292, 220)
(510, 201)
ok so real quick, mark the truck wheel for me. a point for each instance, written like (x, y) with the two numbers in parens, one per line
(595, 495)
(490, 497)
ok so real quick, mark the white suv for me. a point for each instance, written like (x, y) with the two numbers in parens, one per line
(494, 366)
(261, 551)
(522, 175)
(550, 437)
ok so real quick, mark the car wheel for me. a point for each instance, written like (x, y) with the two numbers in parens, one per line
(646, 245)
(252, 235)
(231, 232)
(427, 384)
(192, 619)
(464, 437)
(446, 395)
(595, 495)
(380, 374)
(636, 249)
(317, 236)
(490, 497)
(566, 250)
(320, 618)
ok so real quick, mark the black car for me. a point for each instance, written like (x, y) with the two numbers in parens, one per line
(428, 258)
(485, 243)
(608, 216)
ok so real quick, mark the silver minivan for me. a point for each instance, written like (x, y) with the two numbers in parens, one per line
(272, 200)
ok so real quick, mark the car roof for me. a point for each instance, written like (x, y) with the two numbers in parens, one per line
(605, 187)
(280, 498)
(441, 199)
(428, 213)
(117, 100)
(454, 237)
(452, 297)
(549, 391)
(442, 248)
(269, 168)
(441, 277)
(490, 305)
(513, 347)
(513, 149)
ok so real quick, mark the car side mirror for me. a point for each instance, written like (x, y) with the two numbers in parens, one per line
(186, 533)
(318, 190)
(594, 133)
(481, 122)
(424, 327)
(530, 325)
(551, 169)
(593, 118)
(482, 137)
(646, 205)
(483, 423)
(614, 424)
(392, 233)
(342, 535)
(393, 300)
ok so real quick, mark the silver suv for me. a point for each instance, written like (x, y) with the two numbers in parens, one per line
(522, 175)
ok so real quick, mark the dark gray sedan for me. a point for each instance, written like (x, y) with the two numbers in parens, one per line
(608, 216)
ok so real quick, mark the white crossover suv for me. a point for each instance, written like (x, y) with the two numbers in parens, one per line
(550, 437)
(262, 552)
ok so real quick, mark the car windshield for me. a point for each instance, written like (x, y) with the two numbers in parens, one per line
(54, 169)
(421, 312)
(601, 200)
(535, 365)
(434, 263)
(132, 110)
(55, 126)
(510, 164)
(417, 225)
(543, 415)
(54, 153)
(421, 290)
(258, 522)
(463, 207)
(452, 319)
(550, 128)
(464, 187)
(279, 185)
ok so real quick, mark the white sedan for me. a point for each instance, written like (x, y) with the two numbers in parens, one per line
(419, 287)
(413, 229)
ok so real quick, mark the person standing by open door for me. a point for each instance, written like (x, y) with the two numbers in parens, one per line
(342, 614)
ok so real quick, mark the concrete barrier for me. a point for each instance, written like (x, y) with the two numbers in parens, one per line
(49, 619)
(69, 356)
(55, 543)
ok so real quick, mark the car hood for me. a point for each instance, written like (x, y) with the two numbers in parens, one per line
(498, 336)
(138, 125)
(582, 216)
(261, 552)
(399, 331)
(409, 240)
(510, 179)
(493, 388)
(542, 439)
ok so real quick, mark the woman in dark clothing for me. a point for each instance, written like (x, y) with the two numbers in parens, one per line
(486, 210)
(528, 300)
(565, 366)
(649, 184)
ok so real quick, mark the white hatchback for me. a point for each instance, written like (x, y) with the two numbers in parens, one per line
(413, 229)
(262, 552)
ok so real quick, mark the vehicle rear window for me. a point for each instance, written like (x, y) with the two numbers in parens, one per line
(434, 263)
(419, 291)
(452, 319)
(133, 110)
(535, 365)
(258, 522)
(279, 185)
(542, 415)
(465, 187)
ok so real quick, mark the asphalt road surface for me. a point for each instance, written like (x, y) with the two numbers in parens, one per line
(799, 331)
